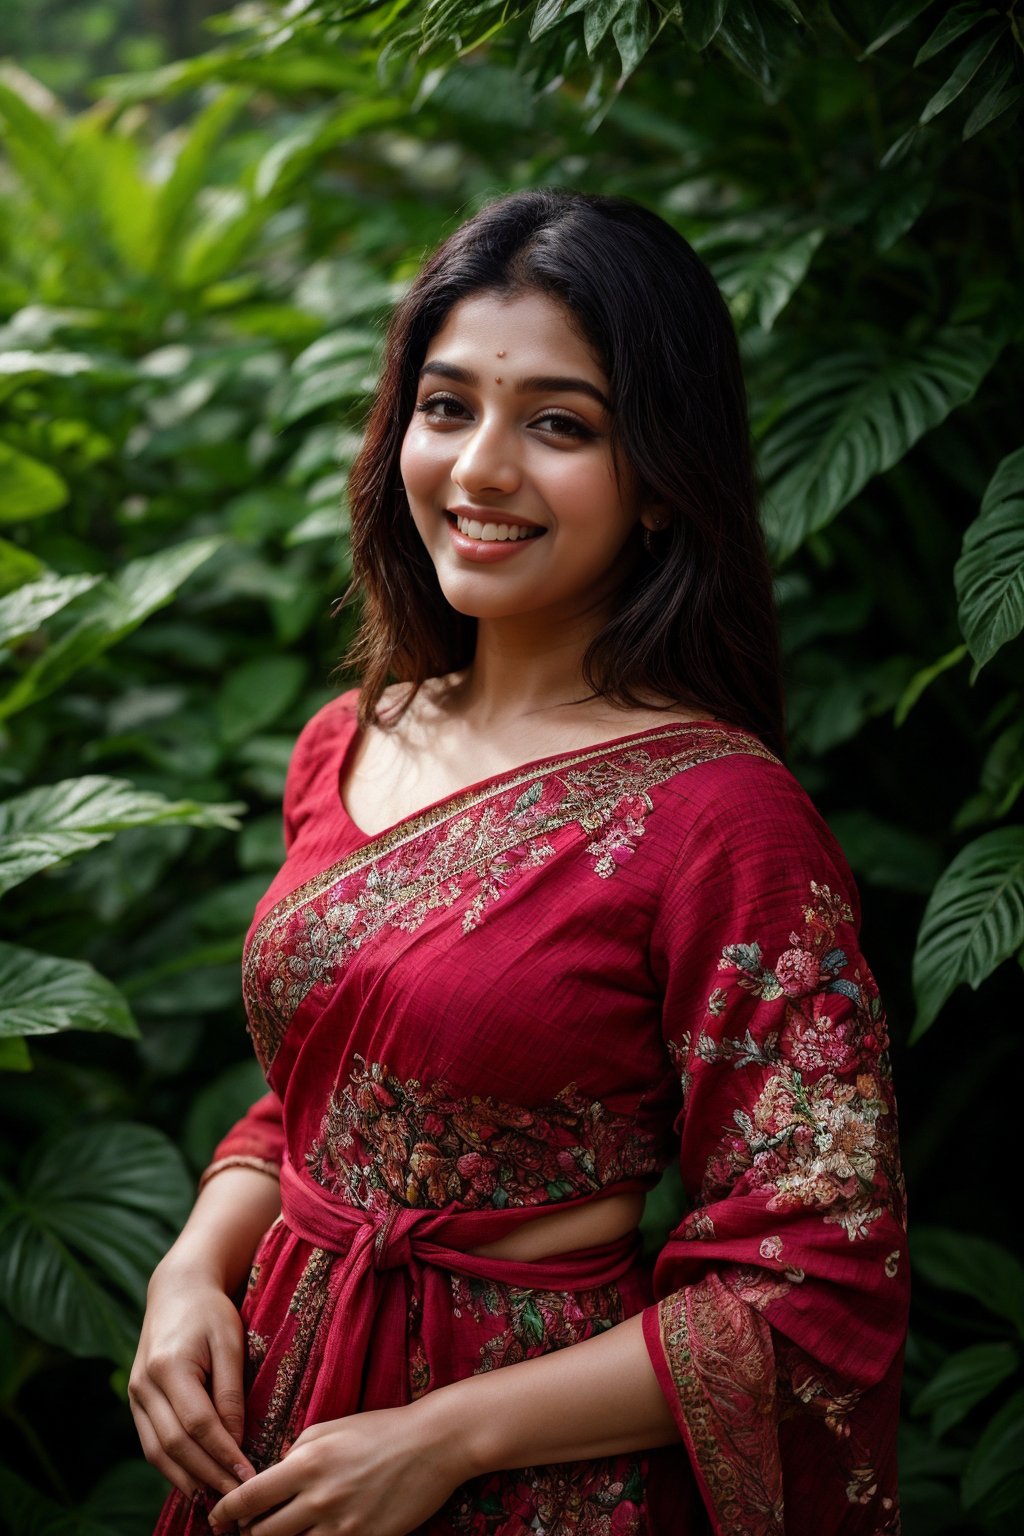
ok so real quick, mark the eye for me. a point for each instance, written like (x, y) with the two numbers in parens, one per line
(442, 407)
(560, 425)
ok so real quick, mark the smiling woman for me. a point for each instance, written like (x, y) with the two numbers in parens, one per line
(554, 914)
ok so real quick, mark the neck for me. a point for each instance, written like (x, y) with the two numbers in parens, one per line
(525, 667)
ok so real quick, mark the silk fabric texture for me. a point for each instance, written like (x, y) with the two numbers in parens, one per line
(536, 993)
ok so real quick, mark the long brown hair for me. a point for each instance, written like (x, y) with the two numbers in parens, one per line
(696, 618)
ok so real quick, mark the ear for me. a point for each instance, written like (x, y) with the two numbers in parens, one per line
(655, 517)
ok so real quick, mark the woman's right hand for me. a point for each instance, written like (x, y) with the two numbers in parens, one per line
(185, 1386)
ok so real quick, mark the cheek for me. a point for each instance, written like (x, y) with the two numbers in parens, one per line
(423, 461)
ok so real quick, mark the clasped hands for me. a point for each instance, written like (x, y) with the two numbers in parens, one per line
(383, 1471)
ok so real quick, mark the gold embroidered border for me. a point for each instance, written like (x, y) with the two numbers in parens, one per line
(724, 1379)
(262, 1164)
(713, 743)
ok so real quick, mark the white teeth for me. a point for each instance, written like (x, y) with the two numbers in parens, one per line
(490, 532)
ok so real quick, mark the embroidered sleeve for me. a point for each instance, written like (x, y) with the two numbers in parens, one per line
(778, 1328)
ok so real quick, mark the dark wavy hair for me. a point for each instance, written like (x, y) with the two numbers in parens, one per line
(695, 621)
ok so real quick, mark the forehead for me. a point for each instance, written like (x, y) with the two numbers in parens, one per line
(531, 329)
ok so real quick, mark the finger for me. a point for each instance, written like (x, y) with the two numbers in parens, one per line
(262, 1493)
(157, 1457)
(197, 1415)
(180, 1446)
(226, 1389)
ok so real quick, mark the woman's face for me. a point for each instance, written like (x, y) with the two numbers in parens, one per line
(508, 467)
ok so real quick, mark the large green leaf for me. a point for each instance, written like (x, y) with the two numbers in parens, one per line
(41, 994)
(998, 1457)
(95, 1211)
(974, 921)
(963, 1380)
(56, 821)
(971, 1266)
(28, 488)
(115, 609)
(760, 281)
(852, 416)
(179, 193)
(989, 575)
(896, 21)
(967, 67)
(257, 693)
(23, 610)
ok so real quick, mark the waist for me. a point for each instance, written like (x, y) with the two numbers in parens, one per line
(553, 1231)
(589, 1240)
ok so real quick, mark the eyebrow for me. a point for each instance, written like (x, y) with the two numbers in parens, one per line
(541, 384)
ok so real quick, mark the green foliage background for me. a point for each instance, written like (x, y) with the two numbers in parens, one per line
(195, 259)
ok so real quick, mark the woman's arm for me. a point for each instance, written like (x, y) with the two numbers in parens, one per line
(185, 1386)
(594, 1398)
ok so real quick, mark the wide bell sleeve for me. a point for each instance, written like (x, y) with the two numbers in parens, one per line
(257, 1140)
(781, 1295)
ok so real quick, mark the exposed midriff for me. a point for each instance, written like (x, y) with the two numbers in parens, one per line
(583, 1226)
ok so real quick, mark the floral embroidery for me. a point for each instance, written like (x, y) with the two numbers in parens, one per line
(471, 848)
(601, 1497)
(383, 1141)
(818, 1142)
(535, 1321)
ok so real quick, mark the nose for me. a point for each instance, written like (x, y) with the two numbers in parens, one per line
(487, 460)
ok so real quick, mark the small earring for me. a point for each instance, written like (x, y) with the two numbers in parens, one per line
(648, 534)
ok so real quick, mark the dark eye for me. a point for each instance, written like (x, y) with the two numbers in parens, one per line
(442, 407)
(558, 425)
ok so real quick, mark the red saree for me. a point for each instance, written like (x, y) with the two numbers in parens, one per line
(539, 992)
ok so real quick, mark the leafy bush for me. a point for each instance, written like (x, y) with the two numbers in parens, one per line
(194, 270)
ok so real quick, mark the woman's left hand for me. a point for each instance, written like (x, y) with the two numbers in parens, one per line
(384, 1471)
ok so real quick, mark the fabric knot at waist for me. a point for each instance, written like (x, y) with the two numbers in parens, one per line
(378, 1252)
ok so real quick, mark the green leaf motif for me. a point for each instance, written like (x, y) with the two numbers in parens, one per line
(116, 608)
(54, 822)
(974, 920)
(28, 488)
(962, 1381)
(989, 575)
(852, 416)
(42, 994)
(29, 606)
(95, 1212)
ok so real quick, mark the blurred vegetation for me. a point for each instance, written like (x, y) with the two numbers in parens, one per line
(196, 253)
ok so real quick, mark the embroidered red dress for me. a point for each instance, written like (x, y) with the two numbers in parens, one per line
(536, 993)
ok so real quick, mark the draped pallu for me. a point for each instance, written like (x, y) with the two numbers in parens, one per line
(532, 995)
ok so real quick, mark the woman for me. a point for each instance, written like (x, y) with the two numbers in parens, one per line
(553, 914)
